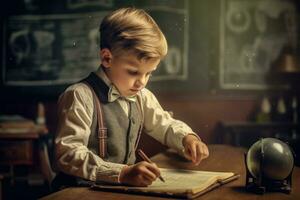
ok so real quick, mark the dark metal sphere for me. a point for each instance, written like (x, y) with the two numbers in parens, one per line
(271, 158)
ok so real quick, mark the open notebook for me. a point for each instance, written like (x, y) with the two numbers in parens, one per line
(178, 183)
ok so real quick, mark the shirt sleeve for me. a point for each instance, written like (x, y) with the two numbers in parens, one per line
(159, 124)
(75, 114)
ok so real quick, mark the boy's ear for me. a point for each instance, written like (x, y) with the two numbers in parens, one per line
(106, 56)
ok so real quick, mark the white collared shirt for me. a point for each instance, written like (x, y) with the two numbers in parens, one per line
(75, 113)
(123, 101)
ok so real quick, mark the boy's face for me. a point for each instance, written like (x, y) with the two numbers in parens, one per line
(126, 72)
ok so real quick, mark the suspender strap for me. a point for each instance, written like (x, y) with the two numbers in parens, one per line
(101, 129)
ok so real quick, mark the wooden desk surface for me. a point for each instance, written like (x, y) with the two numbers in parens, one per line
(27, 133)
(222, 158)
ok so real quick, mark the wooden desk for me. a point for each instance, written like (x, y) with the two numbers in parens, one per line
(222, 158)
(25, 148)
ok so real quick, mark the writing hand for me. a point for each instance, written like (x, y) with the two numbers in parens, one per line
(194, 149)
(139, 174)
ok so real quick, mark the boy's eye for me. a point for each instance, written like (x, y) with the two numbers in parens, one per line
(132, 72)
(135, 73)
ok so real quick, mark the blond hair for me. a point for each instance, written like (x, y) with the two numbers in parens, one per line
(131, 29)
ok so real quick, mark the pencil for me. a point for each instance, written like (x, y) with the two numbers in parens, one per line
(146, 158)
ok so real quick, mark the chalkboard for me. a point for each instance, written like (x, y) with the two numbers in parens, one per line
(252, 35)
(214, 45)
(61, 46)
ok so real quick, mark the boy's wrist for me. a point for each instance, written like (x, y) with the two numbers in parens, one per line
(123, 172)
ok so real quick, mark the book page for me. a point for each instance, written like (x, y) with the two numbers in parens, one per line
(179, 180)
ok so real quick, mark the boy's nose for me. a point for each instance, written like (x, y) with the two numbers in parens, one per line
(141, 81)
(139, 84)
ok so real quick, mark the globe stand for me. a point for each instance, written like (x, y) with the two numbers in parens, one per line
(261, 184)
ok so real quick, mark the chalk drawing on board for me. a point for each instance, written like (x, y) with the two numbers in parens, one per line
(173, 60)
(21, 45)
(20, 51)
(174, 23)
(251, 38)
(63, 48)
(238, 20)
(44, 41)
(50, 49)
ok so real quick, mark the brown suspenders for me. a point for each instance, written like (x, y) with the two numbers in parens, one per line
(101, 128)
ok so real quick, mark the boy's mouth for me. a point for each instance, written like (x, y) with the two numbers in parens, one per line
(134, 90)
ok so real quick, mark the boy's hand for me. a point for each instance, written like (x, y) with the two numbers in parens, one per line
(194, 149)
(139, 174)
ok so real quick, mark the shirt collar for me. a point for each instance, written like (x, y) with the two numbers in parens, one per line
(113, 92)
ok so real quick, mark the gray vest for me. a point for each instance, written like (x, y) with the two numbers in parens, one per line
(122, 130)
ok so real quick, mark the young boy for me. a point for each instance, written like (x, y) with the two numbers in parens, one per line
(131, 47)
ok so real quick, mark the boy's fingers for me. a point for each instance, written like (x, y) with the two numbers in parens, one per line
(186, 153)
(193, 152)
(151, 171)
(143, 181)
(202, 153)
(198, 155)
(147, 180)
(196, 152)
(189, 153)
(153, 167)
(149, 176)
(206, 153)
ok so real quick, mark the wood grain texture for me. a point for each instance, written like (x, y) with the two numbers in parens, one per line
(222, 158)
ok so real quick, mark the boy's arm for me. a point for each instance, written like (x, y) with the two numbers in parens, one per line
(159, 124)
(75, 114)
